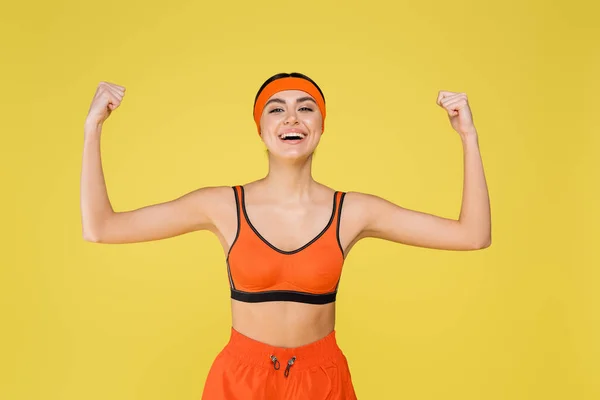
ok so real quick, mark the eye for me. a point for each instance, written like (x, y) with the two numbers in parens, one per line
(277, 109)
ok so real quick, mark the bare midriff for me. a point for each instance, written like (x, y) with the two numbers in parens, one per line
(283, 323)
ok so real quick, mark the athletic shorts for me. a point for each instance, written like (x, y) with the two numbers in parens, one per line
(247, 369)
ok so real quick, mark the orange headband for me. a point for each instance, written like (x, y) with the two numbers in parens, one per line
(288, 83)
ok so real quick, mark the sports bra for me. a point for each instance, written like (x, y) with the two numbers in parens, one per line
(259, 271)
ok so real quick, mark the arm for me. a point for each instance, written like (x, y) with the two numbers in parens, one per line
(385, 220)
(193, 211)
(472, 230)
(190, 212)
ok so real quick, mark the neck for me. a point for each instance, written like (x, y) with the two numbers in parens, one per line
(289, 179)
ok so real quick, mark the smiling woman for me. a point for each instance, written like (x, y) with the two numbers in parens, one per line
(284, 267)
(290, 96)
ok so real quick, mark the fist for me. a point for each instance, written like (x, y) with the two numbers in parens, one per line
(459, 112)
(107, 98)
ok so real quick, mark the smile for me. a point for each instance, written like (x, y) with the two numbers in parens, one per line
(292, 137)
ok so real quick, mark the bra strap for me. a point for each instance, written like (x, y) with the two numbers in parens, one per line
(340, 203)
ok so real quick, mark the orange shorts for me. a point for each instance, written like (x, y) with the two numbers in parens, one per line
(247, 369)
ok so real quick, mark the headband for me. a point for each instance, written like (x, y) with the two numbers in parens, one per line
(288, 83)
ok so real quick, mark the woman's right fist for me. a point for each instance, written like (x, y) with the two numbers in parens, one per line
(107, 98)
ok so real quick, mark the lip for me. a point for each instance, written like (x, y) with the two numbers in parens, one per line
(293, 130)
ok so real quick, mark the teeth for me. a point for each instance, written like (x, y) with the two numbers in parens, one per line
(302, 135)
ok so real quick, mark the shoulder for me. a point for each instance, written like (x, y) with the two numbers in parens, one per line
(361, 202)
(356, 206)
(212, 205)
(212, 199)
(212, 193)
(361, 209)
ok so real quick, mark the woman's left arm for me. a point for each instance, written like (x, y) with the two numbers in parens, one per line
(383, 219)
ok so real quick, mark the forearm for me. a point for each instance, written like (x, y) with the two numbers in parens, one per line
(95, 204)
(475, 210)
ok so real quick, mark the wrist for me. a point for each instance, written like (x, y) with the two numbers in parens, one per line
(469, 136)
(92, 128)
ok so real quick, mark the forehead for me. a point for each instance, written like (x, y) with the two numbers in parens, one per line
(290, 95)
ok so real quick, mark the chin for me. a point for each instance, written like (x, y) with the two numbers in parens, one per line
(292, 154)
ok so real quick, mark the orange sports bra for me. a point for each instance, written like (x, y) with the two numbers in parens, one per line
(259, 271)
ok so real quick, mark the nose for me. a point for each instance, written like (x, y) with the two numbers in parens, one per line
(291, 118)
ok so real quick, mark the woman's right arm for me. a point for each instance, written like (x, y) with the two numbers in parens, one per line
(101, 224)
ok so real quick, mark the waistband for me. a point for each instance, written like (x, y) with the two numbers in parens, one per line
(253, 352)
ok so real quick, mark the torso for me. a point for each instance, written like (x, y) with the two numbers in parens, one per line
(287, 227)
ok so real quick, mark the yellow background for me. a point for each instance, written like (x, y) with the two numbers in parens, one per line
(519, 320)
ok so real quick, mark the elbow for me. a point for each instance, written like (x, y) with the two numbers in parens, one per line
(91, 236)
(94, 230)
(485, 244)
(477, 242)
(482, 243)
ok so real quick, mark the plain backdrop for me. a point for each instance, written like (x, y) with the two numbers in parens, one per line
(518, 320)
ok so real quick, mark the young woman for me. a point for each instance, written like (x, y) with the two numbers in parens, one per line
(285, 238)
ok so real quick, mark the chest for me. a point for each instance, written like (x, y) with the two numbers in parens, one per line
(294, 248)
(287, 228)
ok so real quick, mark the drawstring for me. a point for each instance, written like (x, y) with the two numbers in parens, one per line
(290, 363)
(276, 364)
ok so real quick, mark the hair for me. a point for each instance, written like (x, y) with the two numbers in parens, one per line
(287, 75)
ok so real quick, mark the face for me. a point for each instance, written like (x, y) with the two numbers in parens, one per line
(290, 124)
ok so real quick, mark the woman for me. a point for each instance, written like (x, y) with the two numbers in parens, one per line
(285, 238)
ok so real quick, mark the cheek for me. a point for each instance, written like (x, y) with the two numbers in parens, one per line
(313, 120)
(267, 121)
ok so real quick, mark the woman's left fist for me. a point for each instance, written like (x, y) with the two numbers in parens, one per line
(459, 113)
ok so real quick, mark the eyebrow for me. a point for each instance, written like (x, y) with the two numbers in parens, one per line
(298, 100)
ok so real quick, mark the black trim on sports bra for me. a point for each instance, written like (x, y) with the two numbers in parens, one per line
(290, 251)
(337, 229)
(237, 234)
(283, 295)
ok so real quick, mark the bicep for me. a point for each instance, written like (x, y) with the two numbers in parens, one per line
(385, 220)
(190, 212)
